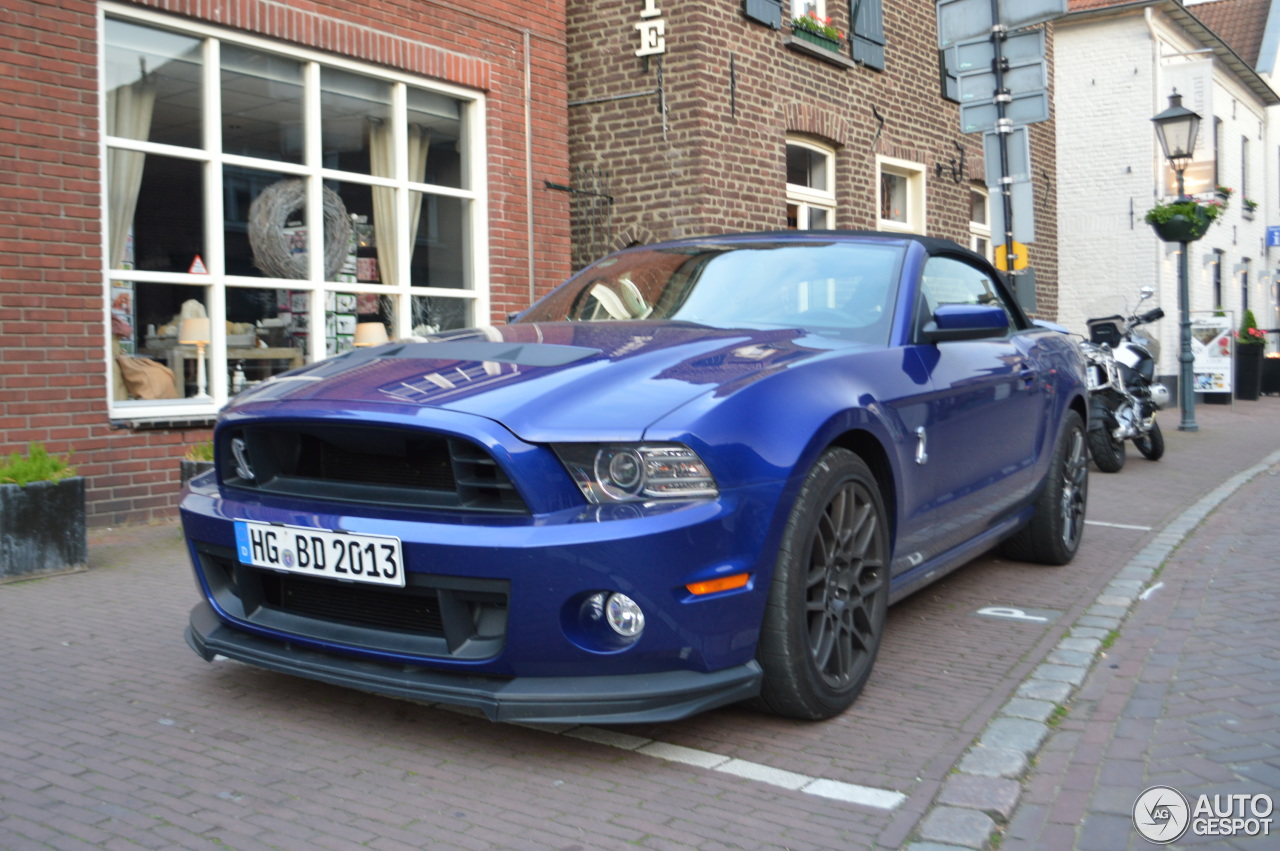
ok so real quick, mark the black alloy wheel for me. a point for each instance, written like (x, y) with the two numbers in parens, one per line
(830, 593)
(1054, 533)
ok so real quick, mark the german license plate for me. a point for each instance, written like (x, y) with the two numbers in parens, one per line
(320, 552)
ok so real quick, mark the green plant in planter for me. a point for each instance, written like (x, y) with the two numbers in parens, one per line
(818, 26)
(1250, 334)
(196, 460)
(37, 466)
(1184, 220)
(1163, 213)
(200, 452)
(42, 515)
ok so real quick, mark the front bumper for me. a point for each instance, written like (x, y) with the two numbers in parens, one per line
(638, 698)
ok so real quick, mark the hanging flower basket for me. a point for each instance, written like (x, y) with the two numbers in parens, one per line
(1187, 225)
(1183, 221)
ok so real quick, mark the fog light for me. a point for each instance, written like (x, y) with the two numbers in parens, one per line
(624, 615)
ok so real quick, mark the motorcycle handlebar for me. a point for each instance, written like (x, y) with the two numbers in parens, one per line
(1151, 316)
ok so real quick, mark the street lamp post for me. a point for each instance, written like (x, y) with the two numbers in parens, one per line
(1176, 129)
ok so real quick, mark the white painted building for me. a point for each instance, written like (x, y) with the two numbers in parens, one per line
(1117, 62)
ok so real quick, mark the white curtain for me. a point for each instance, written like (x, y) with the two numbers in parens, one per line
(129, 111)
(382, 162)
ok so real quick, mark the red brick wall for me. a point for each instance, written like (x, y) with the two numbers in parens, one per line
(53, 381)
(721, 164)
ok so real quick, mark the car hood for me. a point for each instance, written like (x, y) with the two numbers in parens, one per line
(544, 381)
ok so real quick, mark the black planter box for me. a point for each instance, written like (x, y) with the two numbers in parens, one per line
(1270, 375)
(1248, 380)
(42, 528)
(188, 469)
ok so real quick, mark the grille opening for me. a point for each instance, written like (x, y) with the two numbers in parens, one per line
(377, 466)
(432, 616)
(414, 610)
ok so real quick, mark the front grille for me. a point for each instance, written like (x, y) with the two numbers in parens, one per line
(414, 610)
(432, 616)
(369, 465)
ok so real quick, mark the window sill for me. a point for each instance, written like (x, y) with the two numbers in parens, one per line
(166, 423)
(822, 53)
(1246, 214)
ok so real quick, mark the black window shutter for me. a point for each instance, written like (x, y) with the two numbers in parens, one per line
(868, 32)
(766, 12)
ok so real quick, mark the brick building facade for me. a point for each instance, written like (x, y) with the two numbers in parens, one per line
(135, 139)
(714, 133)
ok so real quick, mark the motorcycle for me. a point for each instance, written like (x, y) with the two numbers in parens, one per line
(1123, 393)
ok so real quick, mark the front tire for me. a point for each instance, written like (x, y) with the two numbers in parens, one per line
(1107, 451)
(830, 593)
(1151, 444)
(1054, 533)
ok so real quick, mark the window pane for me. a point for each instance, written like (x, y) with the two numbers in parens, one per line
(806, 167)
(266, 223)
(442, 231)
(948, 281)
(153, 85)
(436, 140)
(432, 314)
(158, 311)
(155, 219)
(356, 129)
(370, 214)
(261, 105)
(344, 312)
(978, 204)
(266, 334)
(893, 197)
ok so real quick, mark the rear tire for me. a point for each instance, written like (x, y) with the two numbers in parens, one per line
(1054, 533)
(1107, 451)
(1151, 444)
(830, 593)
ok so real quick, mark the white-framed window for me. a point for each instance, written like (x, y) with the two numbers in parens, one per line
(900, 195)
(284, 194)
(811, 192)
(801, 8)
(980, 221)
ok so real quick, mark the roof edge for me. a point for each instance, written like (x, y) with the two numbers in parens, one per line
(1197, 29)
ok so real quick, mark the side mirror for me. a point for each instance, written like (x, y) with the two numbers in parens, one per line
(1146, 293)
(966, 322)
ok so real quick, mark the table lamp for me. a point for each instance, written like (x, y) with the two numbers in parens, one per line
(370, 334)
(196, 332)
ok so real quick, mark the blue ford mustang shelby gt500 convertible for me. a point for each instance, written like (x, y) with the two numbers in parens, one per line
(695, 473)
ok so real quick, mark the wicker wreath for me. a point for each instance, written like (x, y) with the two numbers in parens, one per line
(273, 249)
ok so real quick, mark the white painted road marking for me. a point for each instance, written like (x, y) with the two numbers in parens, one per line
(851, 793)
(1117, 525)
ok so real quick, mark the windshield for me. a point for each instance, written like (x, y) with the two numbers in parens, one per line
(837, 288)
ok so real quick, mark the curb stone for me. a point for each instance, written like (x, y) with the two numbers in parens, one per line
(1007, 747)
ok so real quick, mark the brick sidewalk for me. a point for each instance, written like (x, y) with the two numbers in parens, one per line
(1187, 696)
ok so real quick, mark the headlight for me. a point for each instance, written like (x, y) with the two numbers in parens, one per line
(628, 472)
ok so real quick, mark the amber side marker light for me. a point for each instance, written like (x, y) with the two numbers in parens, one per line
(724, 583)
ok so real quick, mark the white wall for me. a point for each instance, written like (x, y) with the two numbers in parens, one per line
(1105, 148)
(1111, 78)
